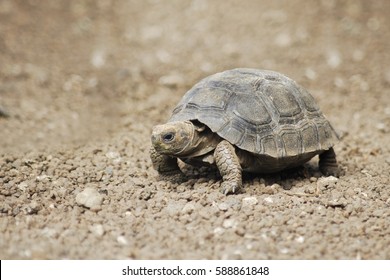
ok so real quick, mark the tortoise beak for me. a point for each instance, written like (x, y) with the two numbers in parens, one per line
(155, 136)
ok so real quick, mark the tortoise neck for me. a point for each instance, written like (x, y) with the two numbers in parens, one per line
(203, 141)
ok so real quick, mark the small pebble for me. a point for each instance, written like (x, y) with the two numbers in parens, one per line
(43, 177)
(164, 56)
(381, 127)
(74, 83)
(300, 239)
(113, 155)
(188, 208)
(97, 229)
(33, 208)
(313, 179)
(240, 231)
(98, 58)
(276, 186)
(311, 189)
(23, 186)
(333, 59)
(249, 201)
(223, 206)
(218, 231)
(342, 202)
(339, 82)
(229, 223)
(310, 74)
(89, 198)
(326, 181)
(284, 251)
(122, 240)
(173, 80)
(283, 40)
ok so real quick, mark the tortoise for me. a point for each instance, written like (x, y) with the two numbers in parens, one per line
(243, 119)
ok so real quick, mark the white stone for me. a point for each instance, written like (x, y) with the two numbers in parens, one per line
(249, 201)
(283, 40)
(381, 126)
(97, 229)
(172, 80)
(98, 58)
(219, 231)
(223, 206)
(326, 181)
(333, 59)
(300, 239)
(89, 198)
(122, 240)
(284, 251)
(113, 155)
(23, 186)
(43, 177)
(188, 208)
(229, 223)
(310, 74)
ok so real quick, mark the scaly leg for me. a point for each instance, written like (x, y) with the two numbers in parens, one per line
(229, 167)
(167, 167)
(328, 163)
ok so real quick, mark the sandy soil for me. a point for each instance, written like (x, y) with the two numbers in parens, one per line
(83, 82)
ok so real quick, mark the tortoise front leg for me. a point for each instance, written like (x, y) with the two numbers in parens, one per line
(229, 167)
(166, 167)
(328, 163)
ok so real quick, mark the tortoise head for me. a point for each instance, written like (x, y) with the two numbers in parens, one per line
(174, 138)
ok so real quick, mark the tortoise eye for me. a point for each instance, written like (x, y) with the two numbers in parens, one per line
(168, 137)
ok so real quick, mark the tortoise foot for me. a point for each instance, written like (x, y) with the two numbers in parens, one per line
(330, 171)
(230, 187)
(328, 163)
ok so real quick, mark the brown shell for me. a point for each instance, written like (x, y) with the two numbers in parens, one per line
(259, 111)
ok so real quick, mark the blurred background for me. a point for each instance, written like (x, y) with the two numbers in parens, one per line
(76, 71)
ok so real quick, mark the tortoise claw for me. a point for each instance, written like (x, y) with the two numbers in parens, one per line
(229, 188)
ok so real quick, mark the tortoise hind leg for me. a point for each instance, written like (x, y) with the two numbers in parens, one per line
(328, 163)
(229, 167)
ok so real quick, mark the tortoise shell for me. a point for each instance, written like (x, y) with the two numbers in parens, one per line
(260, 111)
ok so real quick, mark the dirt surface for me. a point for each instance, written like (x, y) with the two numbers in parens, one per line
(83, 82)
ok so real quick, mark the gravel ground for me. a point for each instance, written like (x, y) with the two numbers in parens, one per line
(83, 82)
